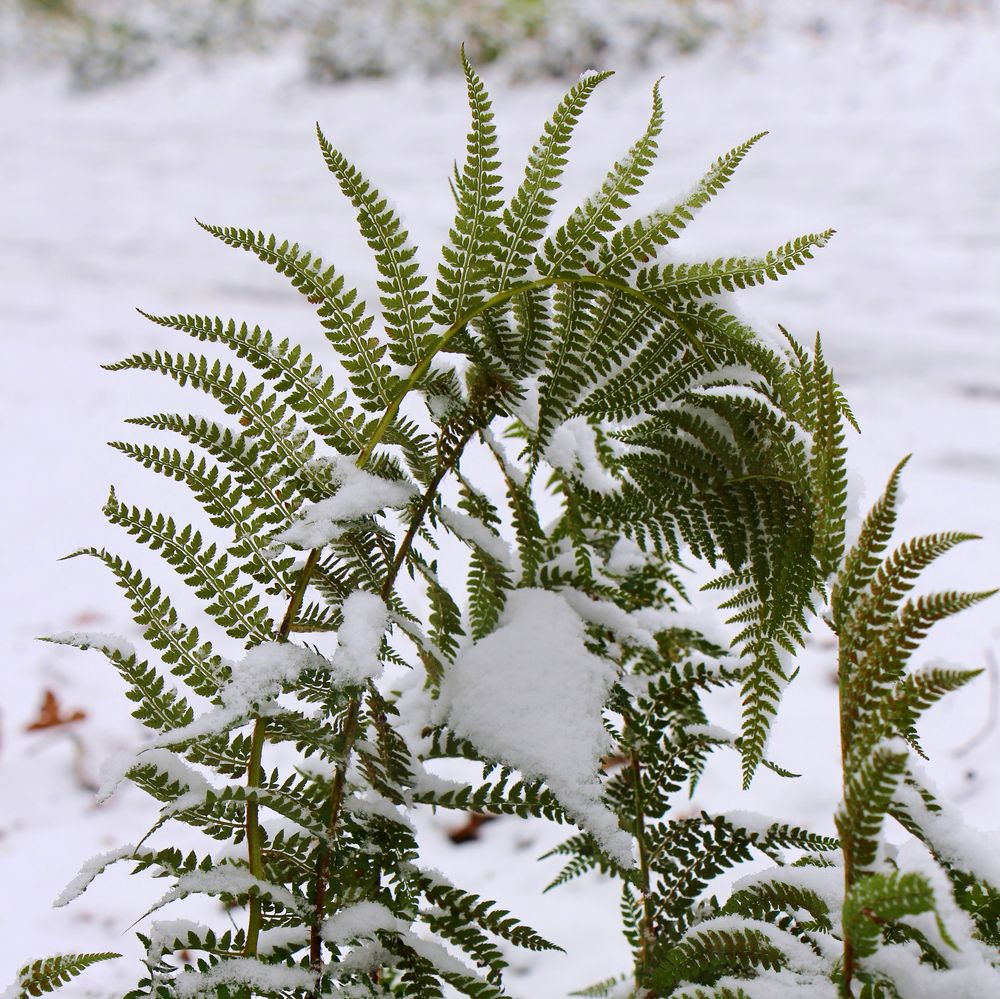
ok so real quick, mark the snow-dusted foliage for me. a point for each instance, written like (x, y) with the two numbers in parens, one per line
(604, 422)
(872, 920)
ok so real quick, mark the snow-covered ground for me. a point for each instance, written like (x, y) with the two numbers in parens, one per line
(894, 141)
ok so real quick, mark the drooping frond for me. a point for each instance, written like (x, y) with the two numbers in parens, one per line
(159, 707)
(232, 604)
(262, 415)
(222, 501)
(180, 646)
(290, 370)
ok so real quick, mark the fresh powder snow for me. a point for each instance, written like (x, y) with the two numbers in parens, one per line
(573, 450)
(531, 695)
(360, 494)
(359, 639)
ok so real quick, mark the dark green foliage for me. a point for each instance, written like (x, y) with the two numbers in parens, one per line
(634, 427)
(882, 905)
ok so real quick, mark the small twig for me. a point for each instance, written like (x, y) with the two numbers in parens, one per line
(468, 832)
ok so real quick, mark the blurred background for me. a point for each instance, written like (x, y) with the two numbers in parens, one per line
(121, 120)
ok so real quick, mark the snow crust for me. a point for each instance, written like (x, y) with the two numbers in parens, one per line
(531, 695)
(227, 879)
(363, 919)
(263, 671)
(360, 494)
(111, 644)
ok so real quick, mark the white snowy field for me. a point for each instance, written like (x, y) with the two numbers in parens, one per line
(894, 141)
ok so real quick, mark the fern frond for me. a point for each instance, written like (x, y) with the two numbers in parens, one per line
(868, 792)
(221, 499)
(640, 239)
(262, 415)
(878, 899)
(706, 954)
(258, 469)
(828, 466)
(467, 257)
(403, 297)
(692, 281)
(525, 219)
(769, 896)
(342, 315)
(588, 225)
(863, 560)
(289, 369)
(231, 603)
(181, 647)
(159, 707)
(52, 973)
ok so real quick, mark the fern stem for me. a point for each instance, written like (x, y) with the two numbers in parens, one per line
(847, 981)
(336, 800)
(553, 281)
(646, 930)
(323, 860)
(253, 833)
(255, 845)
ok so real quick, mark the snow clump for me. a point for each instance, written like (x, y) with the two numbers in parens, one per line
(531, 695)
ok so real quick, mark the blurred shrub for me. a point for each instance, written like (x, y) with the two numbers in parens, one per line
(103, 41)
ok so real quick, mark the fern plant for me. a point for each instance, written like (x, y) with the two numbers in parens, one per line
(871, 921)
(634, 424)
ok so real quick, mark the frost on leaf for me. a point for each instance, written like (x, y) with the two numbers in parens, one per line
(531, 695)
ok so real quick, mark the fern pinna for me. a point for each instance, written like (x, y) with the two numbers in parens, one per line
(632, 422)
(873, 921)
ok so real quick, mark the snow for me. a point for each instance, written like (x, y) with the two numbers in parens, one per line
(951, 837)
(887, 133)
(360, 494)
(90, 870)
(227, 879)
(475, 532)
(801, 958)
(359, 639)
(163, 932)
(530, 695)
(363, 919)
(244, 971)
(639, 627)
(112, 645)
(263, 671)
(372, 803)
(256, 682)
(115, 769)
(573, 450)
